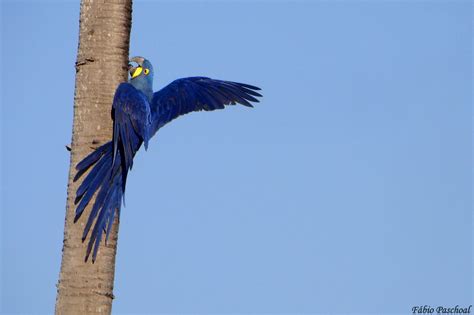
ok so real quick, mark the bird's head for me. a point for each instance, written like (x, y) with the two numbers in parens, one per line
(141, 72)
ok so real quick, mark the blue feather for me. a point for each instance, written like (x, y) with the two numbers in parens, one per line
(138, 114)
(89, 160)
(96, 182)
(86, 183)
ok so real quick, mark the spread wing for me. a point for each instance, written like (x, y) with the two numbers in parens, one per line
(195, 94)
(132, 120)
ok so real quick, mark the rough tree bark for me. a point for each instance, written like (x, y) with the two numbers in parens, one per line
(104, 33)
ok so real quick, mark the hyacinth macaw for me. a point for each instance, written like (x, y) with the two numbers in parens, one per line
(137, 115)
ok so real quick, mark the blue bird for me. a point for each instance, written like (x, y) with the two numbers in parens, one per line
(137, 115)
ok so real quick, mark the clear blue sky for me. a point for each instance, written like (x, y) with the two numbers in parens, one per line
(347, 190)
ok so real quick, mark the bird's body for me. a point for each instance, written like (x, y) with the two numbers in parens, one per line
(138, 114)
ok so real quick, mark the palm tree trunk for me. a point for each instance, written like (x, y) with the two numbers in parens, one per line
(104, 33)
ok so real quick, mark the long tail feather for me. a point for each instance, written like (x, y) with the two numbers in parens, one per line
(92, 158)
(105, 177)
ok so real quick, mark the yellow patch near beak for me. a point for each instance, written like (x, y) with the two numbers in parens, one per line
(137, 72)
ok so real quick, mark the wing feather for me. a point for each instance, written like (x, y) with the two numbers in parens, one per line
(132, 119)
(187, 95)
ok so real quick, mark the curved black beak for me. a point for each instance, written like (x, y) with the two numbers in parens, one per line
(131, 69)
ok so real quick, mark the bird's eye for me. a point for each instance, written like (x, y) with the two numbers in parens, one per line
(147, 71)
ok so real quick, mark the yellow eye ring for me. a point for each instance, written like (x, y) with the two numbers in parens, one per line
(147, 71)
